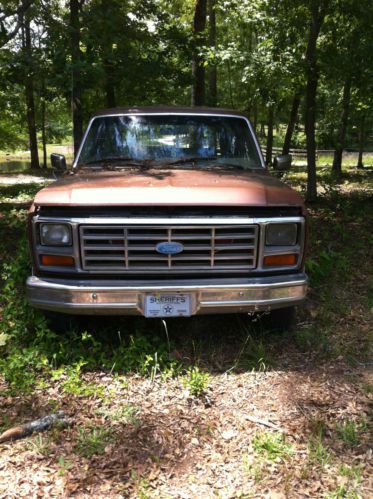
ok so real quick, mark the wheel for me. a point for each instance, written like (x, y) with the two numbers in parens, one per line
(60, 323)
(281, 319)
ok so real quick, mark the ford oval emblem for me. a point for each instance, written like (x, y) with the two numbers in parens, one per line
(169, 248)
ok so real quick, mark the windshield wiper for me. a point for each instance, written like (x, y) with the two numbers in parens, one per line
(191, 159)
(233, 166)
(112, 159)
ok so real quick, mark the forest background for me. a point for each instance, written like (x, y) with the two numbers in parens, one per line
(302, 70)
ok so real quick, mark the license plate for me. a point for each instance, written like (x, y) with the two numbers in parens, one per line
(167, 305)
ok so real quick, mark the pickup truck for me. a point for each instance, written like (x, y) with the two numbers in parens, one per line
(167, 212)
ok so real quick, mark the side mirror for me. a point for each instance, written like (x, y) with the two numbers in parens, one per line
(282, 162)
(58, 162)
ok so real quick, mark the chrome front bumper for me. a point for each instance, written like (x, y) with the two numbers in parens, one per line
(208, 296)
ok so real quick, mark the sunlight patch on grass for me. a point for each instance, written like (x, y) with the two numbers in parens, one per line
(272, 446)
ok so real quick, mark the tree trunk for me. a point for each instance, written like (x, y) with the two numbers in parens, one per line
(109, 85)
(43, 134)
(291, 124)
(213, 91)
(230, 84)
(361, 142)
(311, 91)
(76, 85)
(29, 93)
(255, 116)
(198, 70)
(337, 161)
(107, 56)
(269, 146)
(262, 132)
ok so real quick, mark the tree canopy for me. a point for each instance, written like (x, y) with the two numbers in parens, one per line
(303, 68)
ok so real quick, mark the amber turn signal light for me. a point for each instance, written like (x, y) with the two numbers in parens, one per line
(279, 260)
(57, 260)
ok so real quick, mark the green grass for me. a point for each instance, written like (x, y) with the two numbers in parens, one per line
(351, 478)
(71, 381)
(40, 443)
(64, 465)
(196, 381)
(29, 349)
(342, 492)
(93, 440)
(325, 160)
(125, 414)
(352, 472)
(253, 467)
(349, 431)
(272, 446)
(24, 155)
(269, 448)
(318, 452)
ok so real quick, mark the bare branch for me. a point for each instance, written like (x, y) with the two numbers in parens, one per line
(24, 6)
(20, 10)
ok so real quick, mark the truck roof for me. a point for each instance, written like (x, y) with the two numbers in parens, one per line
(168, 110)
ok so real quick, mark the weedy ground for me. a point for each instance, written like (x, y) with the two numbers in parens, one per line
(201, 407)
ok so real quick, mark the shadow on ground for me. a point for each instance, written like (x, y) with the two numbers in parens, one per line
(220, 343)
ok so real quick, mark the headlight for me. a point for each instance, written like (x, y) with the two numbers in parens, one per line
(281, 234)
(55, 235)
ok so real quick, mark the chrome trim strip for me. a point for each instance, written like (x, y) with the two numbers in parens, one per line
(258, 148)
(169, 285)
(190, 221)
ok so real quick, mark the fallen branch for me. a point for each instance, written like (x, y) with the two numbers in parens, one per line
(255, 420)
(27, 429)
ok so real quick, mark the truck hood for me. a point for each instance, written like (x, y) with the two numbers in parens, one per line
(171, 187)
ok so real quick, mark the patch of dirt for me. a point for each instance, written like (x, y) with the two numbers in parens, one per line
(179, 446)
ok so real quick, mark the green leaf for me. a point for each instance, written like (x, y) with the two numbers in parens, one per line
(3, 339)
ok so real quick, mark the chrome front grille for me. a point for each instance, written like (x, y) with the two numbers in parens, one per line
(132, 248)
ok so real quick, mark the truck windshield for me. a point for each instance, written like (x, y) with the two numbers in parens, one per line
(161, 139)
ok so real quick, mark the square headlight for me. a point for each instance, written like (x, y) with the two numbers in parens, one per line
(55, 235)
(281, 234)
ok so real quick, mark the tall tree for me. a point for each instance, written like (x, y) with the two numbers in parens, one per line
(317, 11)
(212, 71)
(270, 124)
(292, 122)
(198, 68)
(337, 160)
(107, 38)
(76, 73)
(43, 118)
(361, 139)
(29, 89)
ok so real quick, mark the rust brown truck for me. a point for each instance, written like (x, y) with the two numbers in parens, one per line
(167, 212)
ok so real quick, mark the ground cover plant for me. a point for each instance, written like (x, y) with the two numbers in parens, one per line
(204, 407)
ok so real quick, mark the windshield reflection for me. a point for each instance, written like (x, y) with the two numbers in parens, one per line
(180, 138)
